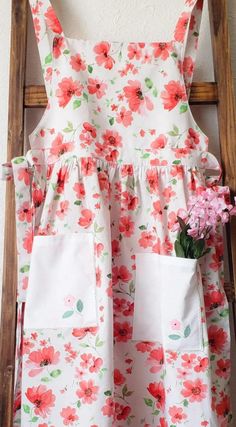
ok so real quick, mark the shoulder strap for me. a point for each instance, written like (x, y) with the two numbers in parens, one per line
(46, 26)
(187, 33)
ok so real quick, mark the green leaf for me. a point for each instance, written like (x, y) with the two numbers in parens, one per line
(90, 69)
(155, 92)
(98, 343)
(85, 96)
(176, 129)
(66, 51)
(176, 162)
(224, 313)
(142, 227)
(18, 160)
(76, 104)
(45, 379)
(78, 404)
(185, 402)
(179, 250)
(77, 202)
(187, 331)
(148, 83)
(34, 419)
(111, 121)
(174, 337)
(80, 305)
(174, 181)
(148, 402)
(174, 55)
(56, 373)
(146, 156)
(181, 222)
(48, 59)
(156, 412)
(68, 314)
(24, 269)
(107, 393)
(26, 409)
(183, 108)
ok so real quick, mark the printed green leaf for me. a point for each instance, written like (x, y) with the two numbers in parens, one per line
(148, 402)
(107, 393)
(68, 314)
(174, 181)
(24, 269)
(176, 162)
(174, 337)
(77, 202)
(148, 83)
(26, 409)
(80, 305)
(146, 156)
(78, 404)
(85, 96)
(34, 419)
(142, 227)
(56, 373)
(185, 402)
(111, 121)
(98, 343)
(224, 313)
(45, 379)
(187, 331)
(155, 92)
(18, 160)
(90, 69)
(66, 51)
(76, 104)
(183, 108)
(174, 55)
(48, 59)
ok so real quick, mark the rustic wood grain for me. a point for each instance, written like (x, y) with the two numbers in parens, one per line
(226, 111)
(14, 148)
(201, 93)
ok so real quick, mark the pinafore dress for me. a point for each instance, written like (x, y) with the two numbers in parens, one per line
(113, 328)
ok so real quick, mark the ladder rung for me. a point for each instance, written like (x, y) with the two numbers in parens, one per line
(201, 93)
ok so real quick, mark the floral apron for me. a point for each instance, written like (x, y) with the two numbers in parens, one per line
(113, 328)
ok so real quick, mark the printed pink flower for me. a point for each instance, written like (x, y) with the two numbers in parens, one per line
(195, 390)
(126, 226)
(58, 46)
(63, 211)
(97, 87)
(86, 218)
(120, 274)
(203, 363)
(122, 412)
(152, 178)
(62, 179)
(28, 241)
(88, 134)
(188, 360)
(82, 332)
(122, 331)
(156, 360)
(158, 210)
(77, 63)
(134, 51)
(175, 325)
(174, 93)
(79, 189)
(87, 166)
(162, 50)
(60, 147)
(52, 21)
(103, 58)
(124, 117)
(192, 139)
(188, 66)
(214, 299)
(42, 399)
(69, 415)
(147, 239)
(181, 26)
(217, 339)
(112, 139)
(37, 196)
(223, 408)
(157, 390)
(144, 346)
(119, 379)
(88, 391)
(96, 364)
(25, 213)
(23, 175)
(223, 368)
(177, 415)
(136, 98)
(129, 201)
(108, 408)
(37, 360)
(159, 143)
(85, 360)
(69, 300)
(68, 88)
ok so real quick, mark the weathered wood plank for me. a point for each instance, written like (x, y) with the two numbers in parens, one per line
(15, 148)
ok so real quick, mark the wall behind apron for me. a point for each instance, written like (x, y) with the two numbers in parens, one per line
(148, 20)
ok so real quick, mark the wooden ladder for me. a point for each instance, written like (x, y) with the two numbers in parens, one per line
(219, 93)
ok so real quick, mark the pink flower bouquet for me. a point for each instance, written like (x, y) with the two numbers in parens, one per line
(205, 212)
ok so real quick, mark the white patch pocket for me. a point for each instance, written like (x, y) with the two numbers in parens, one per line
(168, 300)
(62, 282)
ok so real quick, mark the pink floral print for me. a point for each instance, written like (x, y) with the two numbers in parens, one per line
(117, 154)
